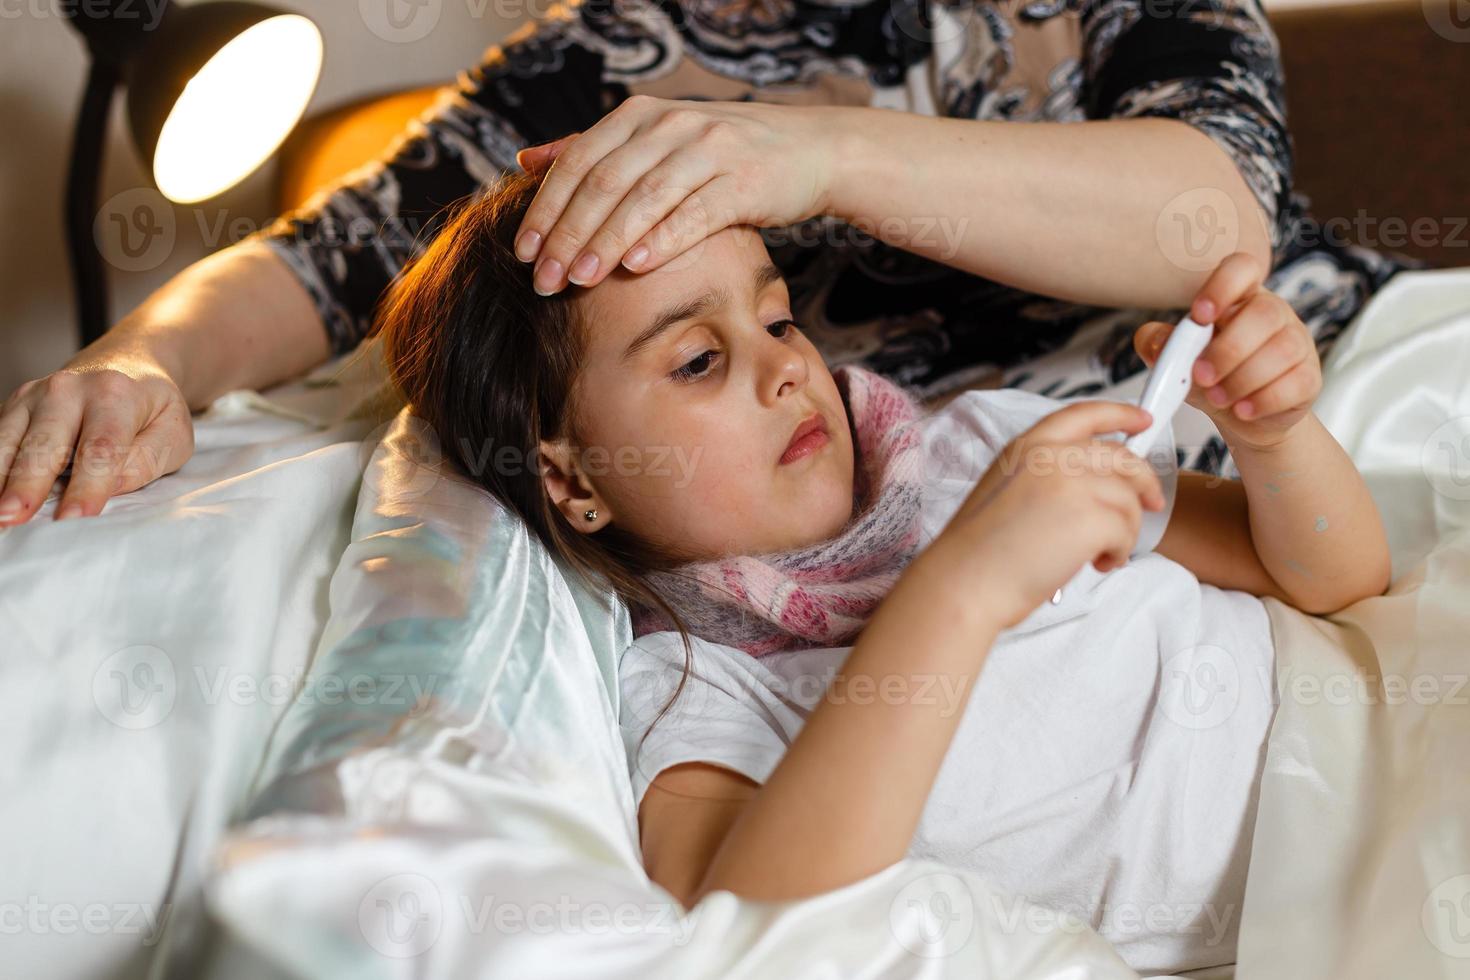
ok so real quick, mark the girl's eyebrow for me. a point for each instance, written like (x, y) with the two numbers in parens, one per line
(699, 306)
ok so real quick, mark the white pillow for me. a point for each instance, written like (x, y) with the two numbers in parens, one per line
(489, 829)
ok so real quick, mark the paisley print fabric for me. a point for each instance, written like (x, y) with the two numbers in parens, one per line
(1213, 64)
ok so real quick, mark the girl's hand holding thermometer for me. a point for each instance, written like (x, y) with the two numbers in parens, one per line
(1255, 373)
(1167, 388)
(1259, 374)
(1055, 498)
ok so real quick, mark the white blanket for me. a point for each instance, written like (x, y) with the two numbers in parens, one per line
(146, 654)
(466, 808)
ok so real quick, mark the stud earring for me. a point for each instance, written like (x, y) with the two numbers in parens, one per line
(591, 515)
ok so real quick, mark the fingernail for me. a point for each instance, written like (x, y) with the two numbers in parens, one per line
(1217, 396)
(583, 269)
(528, 244)
(68, 512)
(547, 277)
(1205, 311)
(9, 507)
(1244, 409)
(636, 258)
(1204, 372)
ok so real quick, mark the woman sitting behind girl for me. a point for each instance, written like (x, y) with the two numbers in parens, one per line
(782, 532)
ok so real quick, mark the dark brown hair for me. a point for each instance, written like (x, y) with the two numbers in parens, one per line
(488, 364)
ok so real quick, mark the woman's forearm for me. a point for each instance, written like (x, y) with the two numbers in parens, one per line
(847, 796)
(1093, 212)
(1313, 522)
(236, 319)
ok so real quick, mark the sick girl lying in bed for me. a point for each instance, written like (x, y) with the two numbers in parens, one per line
(845, 650)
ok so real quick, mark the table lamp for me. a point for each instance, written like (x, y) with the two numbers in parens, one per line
(212, 90)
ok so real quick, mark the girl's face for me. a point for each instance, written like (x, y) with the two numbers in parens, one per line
(694, 383)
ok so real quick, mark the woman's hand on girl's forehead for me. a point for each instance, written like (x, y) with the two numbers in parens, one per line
(655, 177)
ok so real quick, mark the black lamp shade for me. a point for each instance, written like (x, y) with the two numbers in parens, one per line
(182, 44)
(213, 88)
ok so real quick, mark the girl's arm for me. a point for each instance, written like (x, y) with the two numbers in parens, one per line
(845, 799)
(1300, 523)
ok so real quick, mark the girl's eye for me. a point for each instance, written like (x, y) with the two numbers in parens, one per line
(696, 368)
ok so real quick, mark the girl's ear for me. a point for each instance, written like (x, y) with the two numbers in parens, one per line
(569, 489)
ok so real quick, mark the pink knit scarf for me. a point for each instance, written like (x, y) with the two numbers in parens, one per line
(821, 595)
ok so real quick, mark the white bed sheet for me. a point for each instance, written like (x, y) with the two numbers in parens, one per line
(508, 786)
(146, 655)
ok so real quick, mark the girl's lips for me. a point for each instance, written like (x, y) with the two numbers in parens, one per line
(810, 436)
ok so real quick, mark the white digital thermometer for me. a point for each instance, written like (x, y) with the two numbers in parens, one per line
(1169, 383)
(1167, 388)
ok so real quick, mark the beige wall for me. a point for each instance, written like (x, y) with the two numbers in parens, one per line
(42, 66)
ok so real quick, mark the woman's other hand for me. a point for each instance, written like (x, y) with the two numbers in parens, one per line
(662, 175)
(1260, 373)
(1056, 498)
(120, 423)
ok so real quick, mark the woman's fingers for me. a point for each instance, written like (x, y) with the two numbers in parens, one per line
(13, 424)
(41, 456)
(697, 217)
(101, 452)
(566, 173)
(584, 172)
(539, 157)
(1234, 280)
(92, 419)
(653, 198)
(567, 255)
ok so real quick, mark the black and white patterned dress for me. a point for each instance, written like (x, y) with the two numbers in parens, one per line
(1213, 64)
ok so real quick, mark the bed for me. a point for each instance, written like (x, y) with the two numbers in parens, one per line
(375, 731)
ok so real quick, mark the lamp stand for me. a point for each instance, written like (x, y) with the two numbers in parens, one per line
(89, 139)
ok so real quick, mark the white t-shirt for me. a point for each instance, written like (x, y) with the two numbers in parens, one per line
(1109, 753)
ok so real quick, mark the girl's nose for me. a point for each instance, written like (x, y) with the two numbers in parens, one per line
(784, 369)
